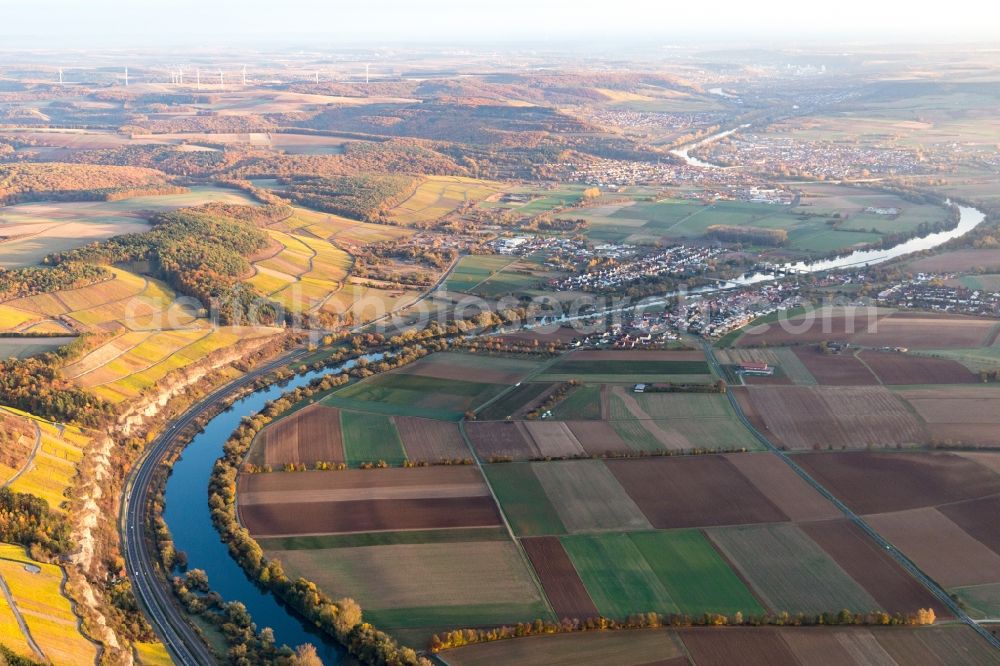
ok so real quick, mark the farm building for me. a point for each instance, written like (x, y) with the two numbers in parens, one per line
(755, 368)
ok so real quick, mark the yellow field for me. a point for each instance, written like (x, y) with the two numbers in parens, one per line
(344, 231)
(152, 654)
(136, 302)
(439, 195)
(45, 610)
(304, 274)
(53, 468)
(131, 363)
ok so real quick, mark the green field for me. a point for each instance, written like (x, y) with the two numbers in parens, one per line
(830, 219)
(617, 576)
(788, 571)
(474, 269)
(636, 436)
(981, 601)
(414, 395)
(582, 403)
(514, 400)
(523, 499)
(693, 573)
(370, 438)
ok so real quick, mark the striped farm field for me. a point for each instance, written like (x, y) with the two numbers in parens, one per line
(38, 596)
(342, 230)
(583, 402)
(631, 366)
(53, 467)
(523, 500)
(436, 196)
(425, 584)
(623, 648)
(617, 576)
(369, 438)
(788, 571)
(587, 496)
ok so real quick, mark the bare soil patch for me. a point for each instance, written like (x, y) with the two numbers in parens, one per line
(307, 436)
(786, 489)
(598, 438)
(429, 440)
(695, 491)
(905, 369)
(926, 331)
(940, 547)
(637, 355)
(500, 439)
(368, 516)
(562, 584)
(979, 518)
(871, 482)
(865, 562)
(553, 439)
(956, 260)
(835, 369)
(711, 647)
(807, 417)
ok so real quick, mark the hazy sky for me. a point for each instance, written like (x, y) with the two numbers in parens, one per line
(109, 23)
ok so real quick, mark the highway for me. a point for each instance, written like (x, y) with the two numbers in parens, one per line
(908, 565)
(154, 594)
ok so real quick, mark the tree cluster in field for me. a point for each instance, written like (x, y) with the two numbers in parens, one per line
(197, 253)
(224, 124)
(34, 385)
(31, 181)
(10, 658)
(557, 395)
(730, 233)
(248, 646)
(461, 637)
(32, 280)
(365, 197)
(27, 520)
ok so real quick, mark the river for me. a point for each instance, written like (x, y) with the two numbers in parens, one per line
(190, 522)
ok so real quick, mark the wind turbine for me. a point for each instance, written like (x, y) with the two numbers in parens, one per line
(366, 72)
(222, 80)
(317, 77)
(197, 77)
(126, 77)
(180, 75)
(60, 76)
(244, 76)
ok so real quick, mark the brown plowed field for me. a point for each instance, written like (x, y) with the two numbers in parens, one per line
(826, 646)
(824, 324)
(786, 489)
(598, 437)
(926, 331)
(307, 436)
(980, 518)
(902, 369)
(749, 410)
(806, 417)
(695, 491)
(883, 482)
(429, 440)
(459, 366)
(368, 516)
(863, 560)
(835, 369)
(393, 477)
(956, 260)
(959, 414)
(712, 647)
(562, 584)
(553, 439)
(941, 548)
(500, 439)
(989, 460)
(874, 328)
